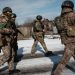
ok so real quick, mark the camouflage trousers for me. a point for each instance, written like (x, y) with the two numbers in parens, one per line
(7, 56)
(39, 38)
(69, 51)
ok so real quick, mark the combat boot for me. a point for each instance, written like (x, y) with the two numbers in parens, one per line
(14, 71)
(33, 52)
(16, 59)
(49, 53)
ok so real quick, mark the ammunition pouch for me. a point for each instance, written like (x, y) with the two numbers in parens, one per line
(71, 31)
(39, 34)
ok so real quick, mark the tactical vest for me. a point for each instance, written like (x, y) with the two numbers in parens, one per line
(69, 24)
(38, 27)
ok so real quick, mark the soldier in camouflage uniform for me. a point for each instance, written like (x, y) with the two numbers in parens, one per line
(66, 27)
(15, 34)
(38, 31)
(6, 32)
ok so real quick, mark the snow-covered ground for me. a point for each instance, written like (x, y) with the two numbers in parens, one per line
(52, 44)
(41, 63)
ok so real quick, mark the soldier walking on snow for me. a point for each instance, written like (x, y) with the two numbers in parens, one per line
(38, 34)
(66, 29)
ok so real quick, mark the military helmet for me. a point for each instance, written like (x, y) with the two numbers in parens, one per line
(7, 9)
(14, 15)
(67, 3)
(38, 17)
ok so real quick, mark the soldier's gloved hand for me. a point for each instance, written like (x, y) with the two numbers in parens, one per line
(6, 31)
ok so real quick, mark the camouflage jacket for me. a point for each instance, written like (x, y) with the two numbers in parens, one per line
(38, 26)
(5, 30)
(63, 23)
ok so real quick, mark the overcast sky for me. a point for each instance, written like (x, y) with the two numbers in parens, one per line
(29, 9)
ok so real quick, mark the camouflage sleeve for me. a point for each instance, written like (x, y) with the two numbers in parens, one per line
(72, 18)
(33, 29)
(33, 26)
(57, 24)
(32, 34)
